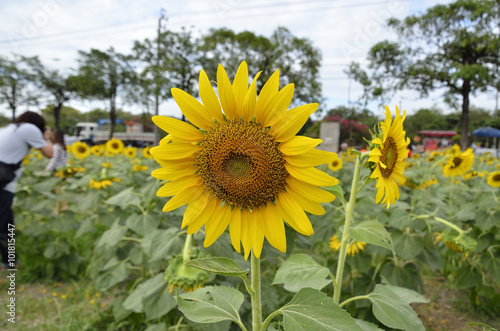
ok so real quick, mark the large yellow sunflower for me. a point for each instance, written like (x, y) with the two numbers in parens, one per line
(459, 163)
(80, 150)
(389, 150)
(494, 179)
(240, 163)
(114, 146)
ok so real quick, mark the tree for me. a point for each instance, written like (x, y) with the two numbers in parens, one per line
(16, 86)
(296, 58)
(53, 83)
(105, 76)
(452, 47)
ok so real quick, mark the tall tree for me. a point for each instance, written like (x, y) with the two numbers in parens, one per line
(454, 47)
(296, 58)
(16, 87)
(53, 83)
(106, 76)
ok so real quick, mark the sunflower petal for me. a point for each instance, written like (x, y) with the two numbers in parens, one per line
(278, 105)
(175, 186)
(311, 175)
(293, 214)
(274, 228)
(217, 225)
(235, 229)
(269, 90)
(292, 122)
(311, 207)
(173, 173)
(298, 145)
(178, 128)
(209, 98)
(182, 198)
(194, 111)
(313, 158)
(174, 151)
(194, 209)
(240, 86)
(226, 94)
(309, 191)
(251, 100)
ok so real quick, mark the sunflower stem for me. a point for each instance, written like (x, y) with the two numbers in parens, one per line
(345, 233)
(187, 248)
(256, 301)
(451, 225)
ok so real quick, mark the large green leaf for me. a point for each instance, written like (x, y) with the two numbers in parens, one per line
(372, 232)
(142, 223)
(112, 236)
(467, 277)
(113, 275)
(408, 245)
(162, 244)
(219, 265)
(152, 297)
(492, 265)
(390, 306)
(124, 198)
(211, 304)
(301, 271)
(312, 310)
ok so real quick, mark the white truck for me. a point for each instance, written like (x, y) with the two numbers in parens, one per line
(98, 132)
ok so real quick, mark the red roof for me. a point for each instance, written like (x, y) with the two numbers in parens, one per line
(437, 133)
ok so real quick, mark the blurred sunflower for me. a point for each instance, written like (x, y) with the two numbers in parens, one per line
(354, 248)
(80, 150)
(97, 184)
(388, 152)
(494, 179)
(130, 152)
(138, 167)
(459, 163)
(146, 152)
(335, 164)
(432, 156)
(107, 165)
(97, 150)
(243, 168)
(114, 146)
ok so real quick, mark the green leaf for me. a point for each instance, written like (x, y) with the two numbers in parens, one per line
(492, 265)
(211, 304)
(390, 306)
(142, 224)
(112, 236)
(312, 310)
(337, 191)
(367, 326)
(112, 276)
(408, 245)
(467, 277)
(301, 271)
(372, 232)
(157, 327)
(219, 265)
(163, 244)
(124, 198)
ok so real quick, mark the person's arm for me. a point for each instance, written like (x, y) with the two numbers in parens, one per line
(47, 150)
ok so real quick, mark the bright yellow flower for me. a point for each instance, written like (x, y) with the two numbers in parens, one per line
(433, 156)
(335, 164)
(415, 156)
(354, 248)
(494, 179)
(80, 150)
(114, 146)
(388, 153)
(130, 152)
(243, 168)
(107, 165)
(459, 163)
(146, 152)
(138, 167)
(97, 150)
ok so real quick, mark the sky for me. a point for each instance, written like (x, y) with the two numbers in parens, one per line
(343, 31)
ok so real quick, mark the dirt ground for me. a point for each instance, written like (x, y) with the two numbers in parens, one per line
(448, 309)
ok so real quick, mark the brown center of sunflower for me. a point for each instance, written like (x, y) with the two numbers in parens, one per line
(335, 163)
(114, 145)
(81, 149)
(389, 156)
(241, 164)
(456, 161)
(496, 178)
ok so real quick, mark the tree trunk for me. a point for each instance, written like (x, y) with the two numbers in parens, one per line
(13, 103)
(464, 122)
(57, 115)
(112, 115)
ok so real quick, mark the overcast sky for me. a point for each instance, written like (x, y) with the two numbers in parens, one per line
(343, 30)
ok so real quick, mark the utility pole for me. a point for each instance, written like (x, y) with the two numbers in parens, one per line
(163, 16)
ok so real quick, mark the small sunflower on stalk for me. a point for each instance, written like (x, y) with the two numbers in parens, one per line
(354, 248)
(80, 150)
(387, 157)
(103, 181)
(433, 156)
(335, 164)
(183, 276)
(114, 146)
(494, 179)
(146, 152)
(460, 243)
(458, 163)
(240, 164)
(97, 150)
(130, 152)
(68, 171)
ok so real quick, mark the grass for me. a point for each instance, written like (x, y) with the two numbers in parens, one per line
(71, 305)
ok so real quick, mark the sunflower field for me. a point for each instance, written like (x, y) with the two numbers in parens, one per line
(356, 261)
